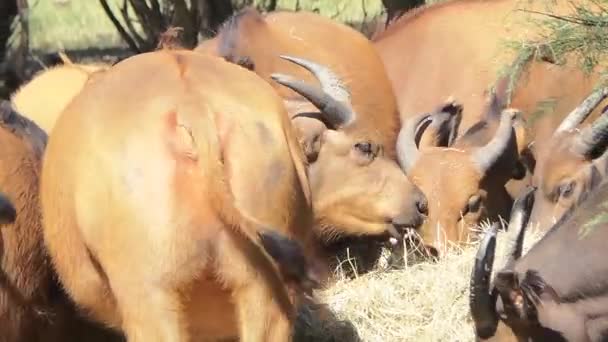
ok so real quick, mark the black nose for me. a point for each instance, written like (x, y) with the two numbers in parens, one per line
(422, 206)
(432, 252)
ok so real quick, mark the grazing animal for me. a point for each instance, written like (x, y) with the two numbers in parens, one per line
(25, 278)
(457, 48)
(557, 290)
(464, 182)
(340, 102)
(32, 306)
(573, 163)
(164, 196)
(45, 96)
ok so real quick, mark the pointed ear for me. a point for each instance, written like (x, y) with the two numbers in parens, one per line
(443, 129)
(309, 132)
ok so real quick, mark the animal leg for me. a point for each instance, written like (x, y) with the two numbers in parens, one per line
(259, 317)
(153, 314)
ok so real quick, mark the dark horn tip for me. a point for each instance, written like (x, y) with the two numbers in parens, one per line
(480, 300)
(512, 113)
(451, 106)
(485, 331)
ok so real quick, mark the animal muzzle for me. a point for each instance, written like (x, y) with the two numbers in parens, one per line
(438, 236)
(412, 215)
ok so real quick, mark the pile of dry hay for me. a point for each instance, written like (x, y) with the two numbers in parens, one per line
(423, 302)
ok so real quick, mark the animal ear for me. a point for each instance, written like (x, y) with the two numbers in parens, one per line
(310, 135)
(443, 129)
(183, 141)
(242, 61)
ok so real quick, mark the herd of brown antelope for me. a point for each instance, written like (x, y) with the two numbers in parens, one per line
(199, 195)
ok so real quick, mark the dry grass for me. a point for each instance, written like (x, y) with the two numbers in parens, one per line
(423, 302)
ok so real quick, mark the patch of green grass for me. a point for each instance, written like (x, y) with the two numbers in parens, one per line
(75, 24)
(80, 24)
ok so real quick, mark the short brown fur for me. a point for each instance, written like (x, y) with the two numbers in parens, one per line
(153, 249)
(32, 307)
(456, 48)
(44, 97)
(353, 195)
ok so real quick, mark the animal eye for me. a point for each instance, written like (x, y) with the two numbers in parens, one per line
(565, 190)
(364, 147)
(367, 148)
(473, 205)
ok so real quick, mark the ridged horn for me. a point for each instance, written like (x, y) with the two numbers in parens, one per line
(407, 151)
(481, 302)
(336, 113)
(520, 214)
(486, 156)
(580, 113)
(592, 141)
(330, 82)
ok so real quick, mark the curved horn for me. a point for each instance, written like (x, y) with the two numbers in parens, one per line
(454, 109)
(335, 112)
(487, 155)
(593, 140)
(520, 214)
(580, 113)
(407, 151)
(331, 83)
(481, 303)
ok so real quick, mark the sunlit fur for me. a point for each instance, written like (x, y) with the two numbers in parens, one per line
(150, 177)
(351, 196)
(449, 178)
(32, 307)
(25, 279)
(457, 47)
(557, 166)
(557, 290)
(45, 96)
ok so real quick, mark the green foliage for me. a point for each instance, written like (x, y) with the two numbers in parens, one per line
(583, 35)
(80, 24)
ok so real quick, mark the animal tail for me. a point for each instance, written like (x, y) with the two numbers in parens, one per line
(229, 36)
(260, 242)
(263, 244)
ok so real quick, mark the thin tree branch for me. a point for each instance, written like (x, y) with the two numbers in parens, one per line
(569, 19)
(124, 10)
(121, 30)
